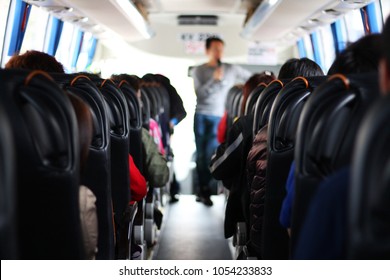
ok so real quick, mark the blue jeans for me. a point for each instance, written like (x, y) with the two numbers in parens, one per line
(205, 128)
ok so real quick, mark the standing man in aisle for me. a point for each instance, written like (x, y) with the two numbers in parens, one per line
(212, 82)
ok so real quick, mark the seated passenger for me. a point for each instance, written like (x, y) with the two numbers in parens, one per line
(360, 57)
(228, 163)
(35, 60)
(257, 156)
(138, 186)
(156, 170)
(87, 200)
(323, 234)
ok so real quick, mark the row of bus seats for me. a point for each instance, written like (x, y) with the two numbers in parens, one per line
(315, 121)
(39, 168)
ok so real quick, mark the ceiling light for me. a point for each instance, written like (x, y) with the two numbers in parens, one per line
(262, 12)
(134, 16)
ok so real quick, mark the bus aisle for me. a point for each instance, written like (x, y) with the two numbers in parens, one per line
(193, 231)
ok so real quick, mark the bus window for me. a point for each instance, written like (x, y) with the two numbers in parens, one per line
(4, 8)
(354, 25)
(308, 47)
(374, 17)
(34, 38)
(328, 46)
(82, 62)
(66, 46)
(385, 9)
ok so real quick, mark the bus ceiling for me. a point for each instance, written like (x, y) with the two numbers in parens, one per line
(277, 22)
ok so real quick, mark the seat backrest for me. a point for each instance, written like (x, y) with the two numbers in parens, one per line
(8, 233)
(236, 106)
(233, 94)
(97, 173)
(369, 199)
(120, 137)
(148, 90)
(264, 103)
(45, 133)
(145, 109)
(325, 135)
(135, 111)
(252, 99)
(283, 121)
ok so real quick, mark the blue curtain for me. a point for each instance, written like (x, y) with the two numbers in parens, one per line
(372, 20)
(338, 37)
(22, 14)
(315, 40)
(55, 35)
(79, 44)
(301, 48)
(92, 51)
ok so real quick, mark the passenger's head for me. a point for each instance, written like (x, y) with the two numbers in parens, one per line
(133, 80)
(360, 57)
(214, 48)
(85, 127)
(384, 65)
(256, 79)
(295, 67)
(35, 60)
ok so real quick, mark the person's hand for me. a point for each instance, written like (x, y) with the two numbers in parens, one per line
(218, 74)
(171, 128)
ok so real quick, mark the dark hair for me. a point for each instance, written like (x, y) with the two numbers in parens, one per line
(295, 67)
(210, 40)
(386, 41)
(35, 60)
(361, 56)
(256, 79)
(85, 127)
(133, 80)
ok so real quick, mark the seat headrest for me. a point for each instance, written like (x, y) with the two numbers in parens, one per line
(264, 104)
(134, 106)
(252, 99)
(328, 123)
(116, 103)
(85, 89)
(285, 113)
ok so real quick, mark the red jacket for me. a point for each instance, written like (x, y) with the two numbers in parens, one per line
(137, 182)
(222, 127)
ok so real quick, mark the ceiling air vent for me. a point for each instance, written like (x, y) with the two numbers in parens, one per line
(197, 20)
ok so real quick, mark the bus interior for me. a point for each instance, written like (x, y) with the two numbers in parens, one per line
(93, 40)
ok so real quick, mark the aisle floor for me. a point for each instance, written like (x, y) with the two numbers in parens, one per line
(193, 231)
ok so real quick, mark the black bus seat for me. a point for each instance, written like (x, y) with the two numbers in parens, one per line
(325, 135)
(119, 133)
(369, 204)
(282, 125)
(97, 174)
(264, 104)
(135, 110)
(45, 133)
(120, 177)
(8, 204)
(236, 106)
(147, 89)
(233, 93)
(252, 99)
(145, 110)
